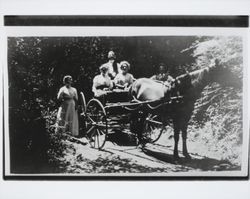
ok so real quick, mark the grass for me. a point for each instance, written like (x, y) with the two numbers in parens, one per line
(217, 123)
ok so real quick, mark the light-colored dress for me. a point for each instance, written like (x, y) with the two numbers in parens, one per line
(67, 117)
(99, 83)
(124, 79)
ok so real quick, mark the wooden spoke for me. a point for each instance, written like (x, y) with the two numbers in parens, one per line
(153, 128)
(89, 130)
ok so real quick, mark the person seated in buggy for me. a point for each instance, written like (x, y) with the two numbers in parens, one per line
(102, 82)
(163, 75)
(124, 79)
(113, 65)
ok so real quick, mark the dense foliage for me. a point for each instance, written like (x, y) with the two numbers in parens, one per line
(37, 65)
(217, 120)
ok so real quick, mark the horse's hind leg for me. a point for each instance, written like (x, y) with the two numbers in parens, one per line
(136, 125)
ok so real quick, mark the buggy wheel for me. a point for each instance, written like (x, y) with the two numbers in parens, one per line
(82, 112)
(96, 124)
(153, 128)
(83, 103)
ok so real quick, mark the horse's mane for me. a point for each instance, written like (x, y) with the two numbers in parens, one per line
(200, 77)
(196, 80)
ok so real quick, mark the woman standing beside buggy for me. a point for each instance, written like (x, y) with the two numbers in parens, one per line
(67, 116)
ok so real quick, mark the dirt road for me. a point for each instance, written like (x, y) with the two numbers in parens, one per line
(125, 158)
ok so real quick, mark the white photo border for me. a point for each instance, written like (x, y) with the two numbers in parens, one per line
(32, 31)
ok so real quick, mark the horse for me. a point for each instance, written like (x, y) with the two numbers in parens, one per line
(145, 89)
(191, 91)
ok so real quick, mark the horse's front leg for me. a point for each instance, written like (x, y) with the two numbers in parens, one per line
(184, 141)
(176, 140)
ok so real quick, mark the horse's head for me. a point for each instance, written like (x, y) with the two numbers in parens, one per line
(224, 76)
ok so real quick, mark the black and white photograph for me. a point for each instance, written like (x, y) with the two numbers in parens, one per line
(125, 102)
(124, 99)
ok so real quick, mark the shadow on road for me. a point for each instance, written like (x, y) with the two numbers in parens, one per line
(201, 163)
(157, 152)
(121, 138)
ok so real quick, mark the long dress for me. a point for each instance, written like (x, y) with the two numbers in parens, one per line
(67, 117)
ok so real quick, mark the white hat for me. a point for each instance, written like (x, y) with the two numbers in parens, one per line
(111, 54)
(125, 63)
(103, 66)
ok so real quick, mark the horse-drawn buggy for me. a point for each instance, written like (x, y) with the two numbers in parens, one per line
(150, 107)
(117, 109)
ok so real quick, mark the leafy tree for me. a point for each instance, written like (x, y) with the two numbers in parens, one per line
(218, 113)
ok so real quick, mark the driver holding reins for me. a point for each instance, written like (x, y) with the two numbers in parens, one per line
(163, 75)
